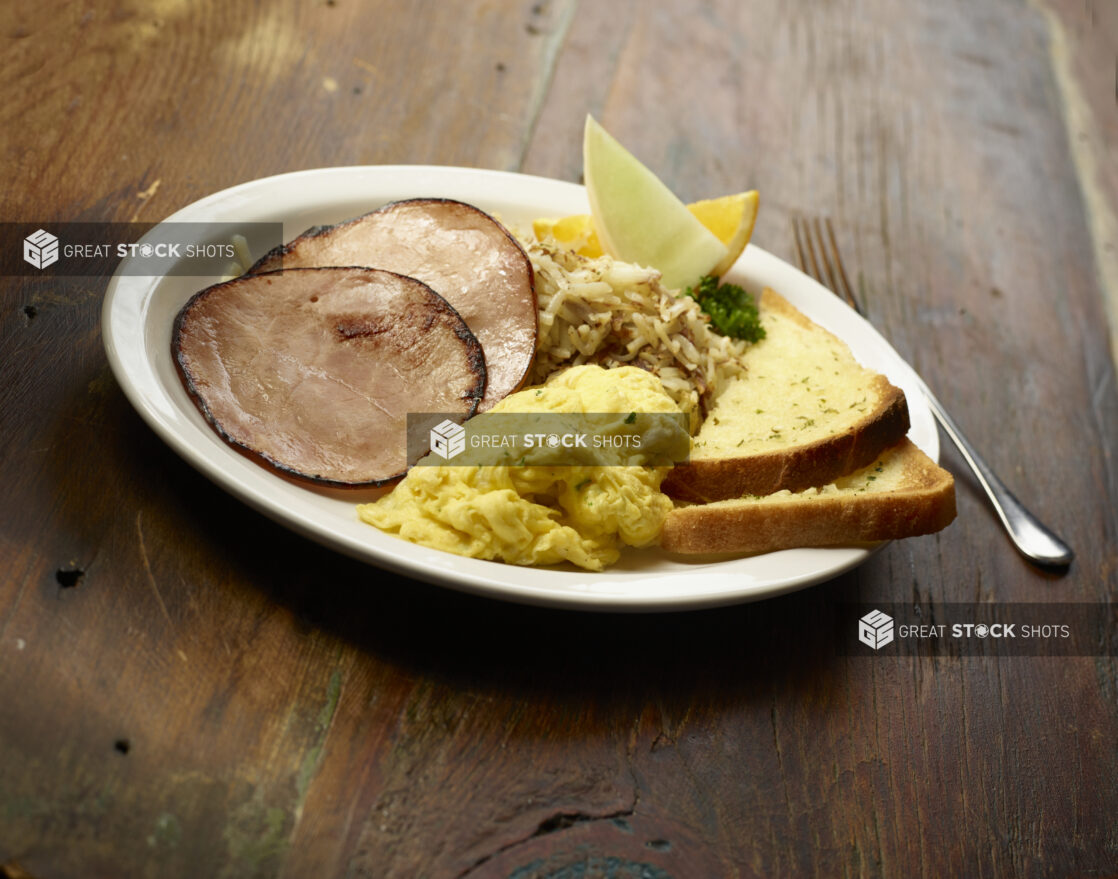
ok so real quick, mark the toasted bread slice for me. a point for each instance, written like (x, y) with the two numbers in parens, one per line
(902, 493)
(804, 413)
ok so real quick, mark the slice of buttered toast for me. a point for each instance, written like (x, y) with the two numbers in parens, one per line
(804, 412)
(902, 493)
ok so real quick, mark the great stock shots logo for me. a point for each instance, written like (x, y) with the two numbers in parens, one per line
(977, 629)
(448, 439)
(208, 250)
(40, 249)
(875, 629)
(548, 439)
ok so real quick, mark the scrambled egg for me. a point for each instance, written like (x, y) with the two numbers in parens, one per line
(539, 515)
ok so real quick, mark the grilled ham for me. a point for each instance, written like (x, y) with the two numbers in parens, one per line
(314, 370)
(462, 253)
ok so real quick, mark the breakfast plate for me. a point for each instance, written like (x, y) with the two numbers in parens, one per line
(139, 311)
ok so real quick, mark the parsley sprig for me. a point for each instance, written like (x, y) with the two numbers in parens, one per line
(733, 311)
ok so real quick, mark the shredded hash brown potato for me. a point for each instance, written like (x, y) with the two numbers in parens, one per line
(610, 313)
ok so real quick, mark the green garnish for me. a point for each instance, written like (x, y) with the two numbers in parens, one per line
(631, 418)
(733, 311)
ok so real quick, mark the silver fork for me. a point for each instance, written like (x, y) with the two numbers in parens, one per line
(819, 257)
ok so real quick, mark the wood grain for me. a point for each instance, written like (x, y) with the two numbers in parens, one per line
(188, 689)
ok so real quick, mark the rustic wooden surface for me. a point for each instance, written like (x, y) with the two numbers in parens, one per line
(188, 690)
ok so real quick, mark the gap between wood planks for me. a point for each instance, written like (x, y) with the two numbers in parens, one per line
(1102, 223)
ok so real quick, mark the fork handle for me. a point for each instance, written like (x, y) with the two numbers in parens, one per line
(1034, 539)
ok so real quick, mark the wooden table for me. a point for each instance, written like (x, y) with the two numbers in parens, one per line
(187, 689)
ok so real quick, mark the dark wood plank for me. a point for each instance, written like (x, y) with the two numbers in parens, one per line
(1083, 38)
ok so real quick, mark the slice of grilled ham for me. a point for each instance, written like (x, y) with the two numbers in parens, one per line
(315, 370)
(459, 251)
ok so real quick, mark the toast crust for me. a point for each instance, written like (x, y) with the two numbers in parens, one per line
(922, 502)
(801, 466)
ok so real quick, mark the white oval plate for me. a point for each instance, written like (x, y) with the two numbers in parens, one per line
(136, 323)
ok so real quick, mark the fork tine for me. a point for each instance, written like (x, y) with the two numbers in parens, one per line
(799, 244)
(805, 250)
(825, 258)
(842, 282)
(815, 272)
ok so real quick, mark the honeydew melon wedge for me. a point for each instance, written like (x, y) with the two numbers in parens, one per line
(638, 219)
